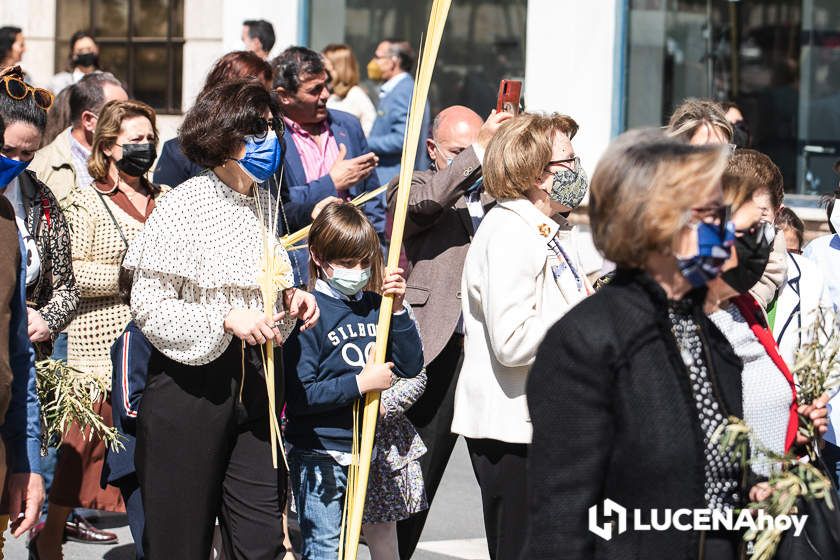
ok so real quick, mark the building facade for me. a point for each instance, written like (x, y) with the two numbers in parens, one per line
(611, 64)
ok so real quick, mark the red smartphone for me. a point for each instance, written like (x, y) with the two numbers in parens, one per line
(510, 94)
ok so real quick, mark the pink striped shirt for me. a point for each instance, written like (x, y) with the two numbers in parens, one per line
(317, 153)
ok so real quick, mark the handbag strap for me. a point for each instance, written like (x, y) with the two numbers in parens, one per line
(113, 219)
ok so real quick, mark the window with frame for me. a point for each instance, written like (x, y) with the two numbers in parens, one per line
(140, 41)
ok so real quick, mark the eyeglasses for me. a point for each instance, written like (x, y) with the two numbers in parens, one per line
(717, 214)
(759, 231)
(18, 89)
(572, 164)
(263, 126)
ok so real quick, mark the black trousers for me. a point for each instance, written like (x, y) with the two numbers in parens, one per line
(500, 469)
(203, 450)
(432, 416)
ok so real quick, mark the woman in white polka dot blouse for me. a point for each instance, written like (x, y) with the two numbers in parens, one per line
(203, 447)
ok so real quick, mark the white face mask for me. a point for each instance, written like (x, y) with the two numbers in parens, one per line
(835, 215)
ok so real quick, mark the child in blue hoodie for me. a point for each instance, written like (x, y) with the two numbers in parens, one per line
(328, 366)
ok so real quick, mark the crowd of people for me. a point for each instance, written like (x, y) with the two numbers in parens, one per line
(570, 381)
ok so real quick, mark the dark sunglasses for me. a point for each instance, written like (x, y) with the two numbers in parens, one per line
(263, 126)
(18, 89)
(720, 214)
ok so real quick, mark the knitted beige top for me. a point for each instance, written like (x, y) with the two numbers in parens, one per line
(98, 252)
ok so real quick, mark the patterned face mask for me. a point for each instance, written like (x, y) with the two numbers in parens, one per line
(569, 187)
(714, 246)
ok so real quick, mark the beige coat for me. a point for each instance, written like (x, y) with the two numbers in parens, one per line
(510, 299)
(98, 251)
(53, 164)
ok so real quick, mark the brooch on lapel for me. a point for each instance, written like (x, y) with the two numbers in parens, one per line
(544, 229)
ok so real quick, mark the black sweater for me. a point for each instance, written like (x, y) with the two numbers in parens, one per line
(614, 417)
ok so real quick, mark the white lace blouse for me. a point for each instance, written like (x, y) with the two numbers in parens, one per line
(196, 259)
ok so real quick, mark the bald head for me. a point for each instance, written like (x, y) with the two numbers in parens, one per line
(454, 129)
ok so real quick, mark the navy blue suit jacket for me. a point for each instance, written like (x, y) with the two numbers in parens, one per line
(388, 132)
(300, 197)
(173, 167)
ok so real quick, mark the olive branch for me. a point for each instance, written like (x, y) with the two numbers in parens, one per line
(68, 397)
(816, 371)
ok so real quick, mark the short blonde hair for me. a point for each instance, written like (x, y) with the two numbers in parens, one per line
(694, 113)
(346, 68)
(643, 190)
(108, 129)
(519, 151)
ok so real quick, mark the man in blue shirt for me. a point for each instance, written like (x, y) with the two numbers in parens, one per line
(391, 65)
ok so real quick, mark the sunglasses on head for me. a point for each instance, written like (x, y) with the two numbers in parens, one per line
(17, 89)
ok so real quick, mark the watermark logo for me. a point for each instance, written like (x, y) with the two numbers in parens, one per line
(619, 518)
(610, 509)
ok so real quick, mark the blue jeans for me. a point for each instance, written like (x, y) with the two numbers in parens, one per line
(319, 484)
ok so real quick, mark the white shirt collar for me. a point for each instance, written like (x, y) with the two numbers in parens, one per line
(388, 86)
(12, 194)
(323, 286)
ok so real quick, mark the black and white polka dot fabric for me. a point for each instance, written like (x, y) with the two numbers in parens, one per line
(196, 259)
(721, 471)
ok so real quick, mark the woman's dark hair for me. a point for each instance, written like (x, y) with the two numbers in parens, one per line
(293, 64)
(81, 34)
(2, 128)
(237, 65)
(787, 219)
(223, 115)
(22, 110)
(8, 36)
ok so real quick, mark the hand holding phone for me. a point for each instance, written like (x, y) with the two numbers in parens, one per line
(510, 95)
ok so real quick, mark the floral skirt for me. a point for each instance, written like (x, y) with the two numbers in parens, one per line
(395, 489)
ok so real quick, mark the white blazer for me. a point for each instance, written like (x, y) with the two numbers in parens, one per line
(799, 300)
(514, 288)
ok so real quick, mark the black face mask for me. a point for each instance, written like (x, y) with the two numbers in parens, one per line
(137, 159)
(753, 255)
(86, 59)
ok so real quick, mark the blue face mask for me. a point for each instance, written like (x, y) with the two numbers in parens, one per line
(9, 169)
(714, 249)
(262, 157)
(349, 281)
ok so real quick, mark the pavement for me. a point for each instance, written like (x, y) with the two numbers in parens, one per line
(454, 529)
